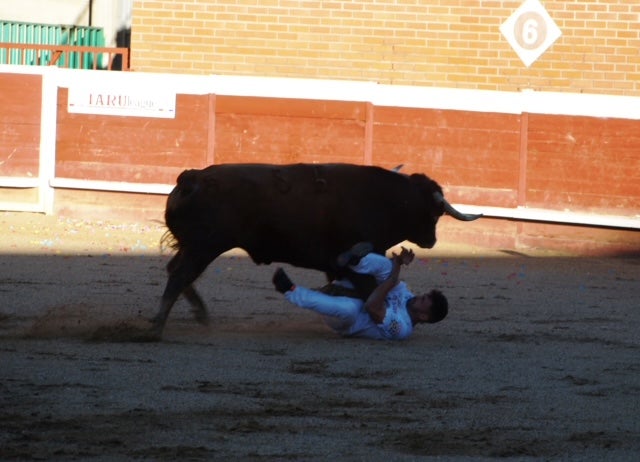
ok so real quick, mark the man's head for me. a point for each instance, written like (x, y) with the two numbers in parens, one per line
(439, 306)
(428, 308)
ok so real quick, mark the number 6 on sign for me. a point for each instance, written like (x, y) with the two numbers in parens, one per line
(530, 31)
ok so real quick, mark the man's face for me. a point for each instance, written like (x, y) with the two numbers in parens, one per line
(421, 306)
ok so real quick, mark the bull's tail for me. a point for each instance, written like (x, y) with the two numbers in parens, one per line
(178, 203)
(169, 241)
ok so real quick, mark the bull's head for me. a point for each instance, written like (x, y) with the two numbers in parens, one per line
(435, 205)
(450, 210)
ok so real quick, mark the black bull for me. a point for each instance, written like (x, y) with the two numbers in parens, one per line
(302, 214)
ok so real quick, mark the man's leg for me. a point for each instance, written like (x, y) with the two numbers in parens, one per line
(344, 308)
(375, 265)
(339, 288)
(354, 254)
(339, 312)
(361, 259)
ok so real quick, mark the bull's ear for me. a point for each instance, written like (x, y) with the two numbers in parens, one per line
(424, 184)
(422, 180)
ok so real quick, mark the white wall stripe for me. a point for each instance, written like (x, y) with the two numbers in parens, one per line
(537, 102)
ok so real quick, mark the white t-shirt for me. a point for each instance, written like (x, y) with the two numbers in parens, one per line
(397, 323)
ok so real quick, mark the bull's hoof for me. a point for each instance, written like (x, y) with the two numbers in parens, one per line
(157, 322)
(201, 316)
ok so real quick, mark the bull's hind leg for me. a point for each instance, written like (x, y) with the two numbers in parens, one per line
(184, 268)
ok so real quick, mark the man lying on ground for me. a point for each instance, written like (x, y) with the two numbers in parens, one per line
(390, 312)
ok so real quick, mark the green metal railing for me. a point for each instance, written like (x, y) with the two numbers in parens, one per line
(62, 45)
(54, 55)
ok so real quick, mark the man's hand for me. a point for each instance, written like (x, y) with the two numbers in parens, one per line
(375, 304)
(404, 258)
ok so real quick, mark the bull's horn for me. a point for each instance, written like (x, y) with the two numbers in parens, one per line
(449, 210)
(397, 168)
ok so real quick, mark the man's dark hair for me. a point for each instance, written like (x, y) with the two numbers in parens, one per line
(439, 306)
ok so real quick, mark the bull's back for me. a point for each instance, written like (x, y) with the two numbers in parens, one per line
(303, 214)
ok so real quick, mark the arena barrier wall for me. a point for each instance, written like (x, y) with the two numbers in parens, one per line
(543, 167)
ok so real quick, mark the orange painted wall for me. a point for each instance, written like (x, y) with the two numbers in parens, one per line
(20, 98)
(441, 43)
(278, 130)
(474, 155)
(584, 163)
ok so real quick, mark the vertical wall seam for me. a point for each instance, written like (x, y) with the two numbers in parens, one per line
(211, 130)
(368, 134)
(522, 174)
(48, 139)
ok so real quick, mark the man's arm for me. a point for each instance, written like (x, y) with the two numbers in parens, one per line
(375, 304)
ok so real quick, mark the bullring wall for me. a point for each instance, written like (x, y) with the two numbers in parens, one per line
(542, 178)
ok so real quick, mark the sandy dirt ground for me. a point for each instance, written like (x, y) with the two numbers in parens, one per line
(539, 358)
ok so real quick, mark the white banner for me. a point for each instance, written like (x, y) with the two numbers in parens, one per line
(124, 100)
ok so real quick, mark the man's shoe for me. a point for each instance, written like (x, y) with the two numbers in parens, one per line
(281, 281)
(354, 254)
